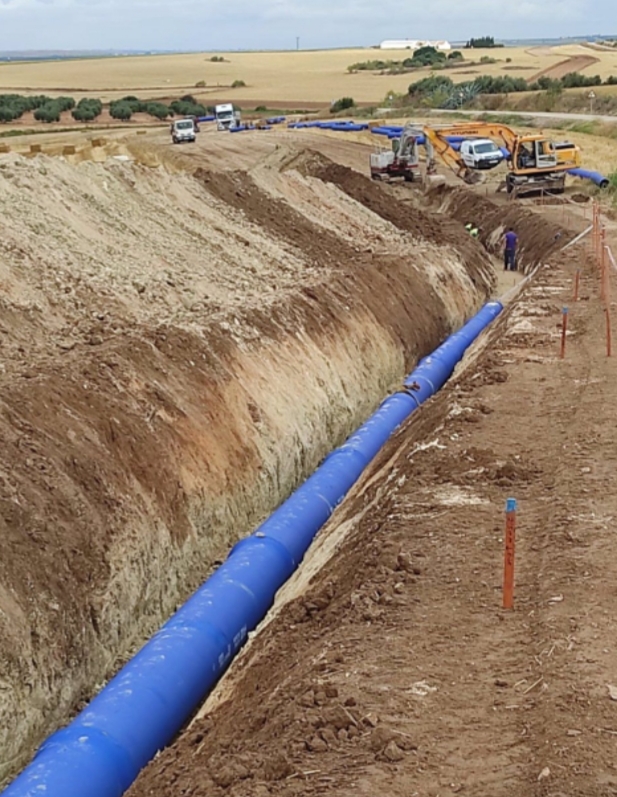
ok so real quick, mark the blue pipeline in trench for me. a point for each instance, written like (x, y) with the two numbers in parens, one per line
(139, 712)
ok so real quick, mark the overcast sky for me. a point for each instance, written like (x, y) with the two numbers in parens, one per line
(274, 24)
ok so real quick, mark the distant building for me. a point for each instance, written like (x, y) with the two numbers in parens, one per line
(414, 44)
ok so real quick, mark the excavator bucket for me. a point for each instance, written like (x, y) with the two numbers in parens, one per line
(473, 178)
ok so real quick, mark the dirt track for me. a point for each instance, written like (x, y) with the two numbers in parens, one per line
(393, 669)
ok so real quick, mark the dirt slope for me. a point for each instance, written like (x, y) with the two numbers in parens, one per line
(177, 354)
(393, 669)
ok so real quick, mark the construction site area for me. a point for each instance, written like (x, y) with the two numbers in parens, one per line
(187, 333)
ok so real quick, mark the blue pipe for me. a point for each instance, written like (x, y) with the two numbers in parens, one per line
(595, 177)
(101, 752)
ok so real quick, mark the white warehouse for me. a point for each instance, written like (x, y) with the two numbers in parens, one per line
(414, 44)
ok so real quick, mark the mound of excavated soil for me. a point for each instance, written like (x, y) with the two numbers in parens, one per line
(177, 354)
(380, 201)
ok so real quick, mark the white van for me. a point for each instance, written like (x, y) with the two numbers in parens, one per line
(182, 130)
(481, 153)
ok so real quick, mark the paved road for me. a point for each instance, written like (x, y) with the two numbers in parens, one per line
(584, 117)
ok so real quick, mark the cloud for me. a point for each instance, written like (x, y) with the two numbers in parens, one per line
(255, 24)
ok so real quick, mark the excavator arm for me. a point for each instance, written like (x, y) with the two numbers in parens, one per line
(530, 153)
(437, 144)
(483, 130)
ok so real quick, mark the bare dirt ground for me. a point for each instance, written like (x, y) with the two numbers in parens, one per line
(146, 311)
(388, 665)
(145, 315)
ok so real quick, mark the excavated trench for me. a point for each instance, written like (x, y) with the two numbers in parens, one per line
(134, 460)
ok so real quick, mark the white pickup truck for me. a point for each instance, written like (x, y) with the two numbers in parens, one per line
(481, 153)
(182, 130)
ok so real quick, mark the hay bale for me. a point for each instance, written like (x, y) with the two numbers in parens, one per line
(35, 148)
(141, 132)
(99, 142)
(69, 149)
(4, 148)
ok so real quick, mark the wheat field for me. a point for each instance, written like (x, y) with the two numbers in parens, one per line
(289, 77)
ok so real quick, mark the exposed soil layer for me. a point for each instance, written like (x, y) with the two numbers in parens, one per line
(539, 237)
(388, 665)
(381, 202)
(177, 355)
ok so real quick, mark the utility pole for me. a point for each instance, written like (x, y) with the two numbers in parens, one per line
(591, 97)
(297, 42)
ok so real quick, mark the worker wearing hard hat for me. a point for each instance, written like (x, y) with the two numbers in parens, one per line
(472, 230)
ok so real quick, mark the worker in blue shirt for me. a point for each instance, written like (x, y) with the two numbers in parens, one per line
(509, 252)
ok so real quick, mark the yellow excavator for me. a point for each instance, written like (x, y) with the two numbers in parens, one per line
(535, 162)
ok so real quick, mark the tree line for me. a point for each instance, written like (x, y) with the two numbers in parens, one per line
(482, 43)
(422, 57)
(440, 88)
(50, 109)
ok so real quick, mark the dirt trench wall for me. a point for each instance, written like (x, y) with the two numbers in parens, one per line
(539, 238)
(130, 468)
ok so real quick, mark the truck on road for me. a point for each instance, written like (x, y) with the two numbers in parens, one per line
(183, 130)
(227, 117)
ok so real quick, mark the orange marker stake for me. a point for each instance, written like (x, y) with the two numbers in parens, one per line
(508, 564)
(577, 283)
(564, 331)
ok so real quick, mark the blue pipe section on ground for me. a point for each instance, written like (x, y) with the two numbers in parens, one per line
(138, 713)
(595, 177)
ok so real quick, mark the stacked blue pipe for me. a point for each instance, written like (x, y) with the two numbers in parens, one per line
(242, 128)
(342, 126)
(139, 712)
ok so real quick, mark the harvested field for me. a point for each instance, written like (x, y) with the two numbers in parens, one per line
(277, 79)
(577, 63)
